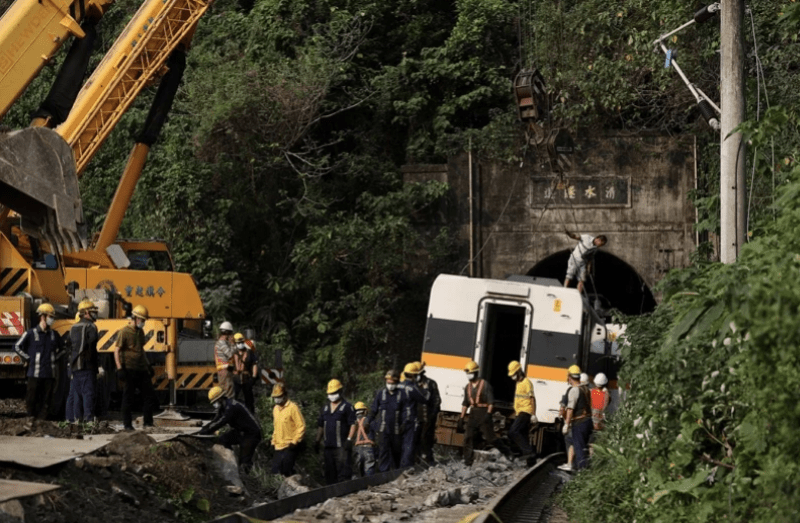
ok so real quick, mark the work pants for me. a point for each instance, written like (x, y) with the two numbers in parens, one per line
(225, 379)
(365, 460)
(283, 461)
(137, 379)
(80, 402)
(39, 396)
(479, 420)
(247, 446)
(428, 438)
(243, 386)
(338, 465)
(518, 433)
(410, 440)
(390, 450)
(580, 440)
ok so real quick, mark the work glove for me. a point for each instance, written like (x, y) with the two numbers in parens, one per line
(122, 374)
(101, 372)
(348, 445)
(565, 429)
(460, 425)
(534, 420)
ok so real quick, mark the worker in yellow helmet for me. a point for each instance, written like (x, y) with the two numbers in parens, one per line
(40, 347)
(247, 369)
(336, 430)
(525, 411)
(364, 462)
(479, 401)
(243, 428)
(133, 369)
(417, 400)
(578, 419)
(289, 430)
(83, 364)
(226, 359)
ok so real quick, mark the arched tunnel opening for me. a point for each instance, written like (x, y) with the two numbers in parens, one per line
(616, 284)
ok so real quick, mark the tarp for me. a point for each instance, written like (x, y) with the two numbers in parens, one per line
(10, 489)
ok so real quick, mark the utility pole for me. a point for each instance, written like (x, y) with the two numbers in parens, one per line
(732, 150)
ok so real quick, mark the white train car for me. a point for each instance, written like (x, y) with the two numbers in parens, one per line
(536, 321)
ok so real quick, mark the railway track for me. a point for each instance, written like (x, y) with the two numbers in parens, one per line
(526, 500)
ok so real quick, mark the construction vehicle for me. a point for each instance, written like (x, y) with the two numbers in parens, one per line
(536, 321)
(114, 274)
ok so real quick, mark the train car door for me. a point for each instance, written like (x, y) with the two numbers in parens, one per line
(503, 332)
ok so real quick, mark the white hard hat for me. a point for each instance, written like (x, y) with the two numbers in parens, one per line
(600, 380)
(584, 378)
(226, 326)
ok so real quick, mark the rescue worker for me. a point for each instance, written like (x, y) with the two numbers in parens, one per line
(388, 415)
(562, 413)
(417, 399)
(580, 261)
(364, 462)
(83, 364)
(479, 399)
(247, 366)
(525, 410)
(430, 413)
(578, 417)
(336, 430)
(40, 348)
(244, 430)
(289, 430)
(225, 358)
(600, 399)
(133, 369)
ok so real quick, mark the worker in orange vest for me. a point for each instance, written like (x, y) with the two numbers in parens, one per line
(479, 399)
(600, 399)
(364, 462)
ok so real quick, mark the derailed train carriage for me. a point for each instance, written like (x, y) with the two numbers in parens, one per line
(536, 321)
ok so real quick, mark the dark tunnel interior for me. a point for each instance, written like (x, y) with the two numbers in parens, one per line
(617, 283)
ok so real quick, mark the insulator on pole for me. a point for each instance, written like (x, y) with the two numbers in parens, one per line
(706, 13)
(708, 114)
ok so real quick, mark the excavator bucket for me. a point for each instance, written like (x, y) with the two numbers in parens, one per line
(38, 181)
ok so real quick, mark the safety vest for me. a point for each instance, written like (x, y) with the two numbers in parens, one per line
(220, 357)
(361, 435)
(474, 402)
(599, 401)
(583, 405)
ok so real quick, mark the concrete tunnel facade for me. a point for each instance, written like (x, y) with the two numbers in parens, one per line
(635, 189)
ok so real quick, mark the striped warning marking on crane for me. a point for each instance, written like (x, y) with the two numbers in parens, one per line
(272, 376)
(11, 324)
(106, 340)
(189, 378)
(13, 281)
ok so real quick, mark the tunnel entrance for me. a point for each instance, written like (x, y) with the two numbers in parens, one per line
(617, 283)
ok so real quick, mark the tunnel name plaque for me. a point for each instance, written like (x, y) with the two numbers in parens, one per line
(581, 191)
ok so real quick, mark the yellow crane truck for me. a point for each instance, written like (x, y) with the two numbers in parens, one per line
(44, 252)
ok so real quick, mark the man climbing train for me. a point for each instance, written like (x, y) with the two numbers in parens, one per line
(581, 258)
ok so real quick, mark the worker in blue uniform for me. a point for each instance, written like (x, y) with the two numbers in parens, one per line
(388, 417)
(244, 430)
(337, 428)
(417, 399)
(40, 348)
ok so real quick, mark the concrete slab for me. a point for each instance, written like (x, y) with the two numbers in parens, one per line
(10, 489)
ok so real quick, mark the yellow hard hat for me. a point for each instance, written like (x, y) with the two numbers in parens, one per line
(46, 309)
(214, 394)
(513, 368)
(392, 376)
(277, 390)
(412, 368)
(140, 311)
(334, 386)
(360, 405)
(574, 371)
(471, 367)
(402, 376)
(86, 305)
(238, 337)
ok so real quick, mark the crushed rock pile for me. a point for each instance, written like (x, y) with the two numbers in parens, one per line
(444, 492)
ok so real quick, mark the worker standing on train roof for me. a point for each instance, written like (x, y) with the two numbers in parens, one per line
(243, 428)
(601, 398)
(388, 416)
(579, 417)
(525, 410)
(289, 430)
(430, 413)
(133, 369)
(581, 258)
(247, 363)
(83, 364)
(479, 399)
(226, 358)
(40, 348)
(417, 399)
(364, 459)
(336, 430)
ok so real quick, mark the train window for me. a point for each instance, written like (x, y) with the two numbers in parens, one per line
(149, 261)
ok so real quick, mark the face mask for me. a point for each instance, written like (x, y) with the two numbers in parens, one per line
(240, 346)
(333, 398)
(50, 320)
(360, 414)
(391, 386)
(418, 377)
(139, 324)
(93, 316)
(279, 400)
(472, 376)
(217, 404)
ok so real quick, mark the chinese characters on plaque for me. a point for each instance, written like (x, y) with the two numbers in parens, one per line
(584, 191)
